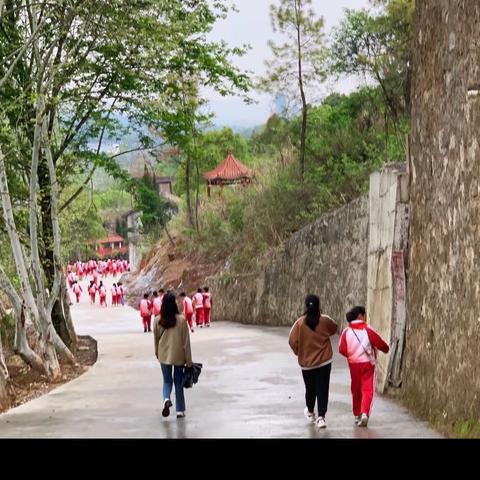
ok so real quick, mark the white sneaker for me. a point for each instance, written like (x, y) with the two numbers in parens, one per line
(321, 423)
(363, 422)
(310, 416)
(357, 419)
(180, 414)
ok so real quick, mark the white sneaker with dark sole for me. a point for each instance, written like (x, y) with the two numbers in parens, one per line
(310, 416)
(180, 414)
(363, 420)
(321, 423)
(357, 419)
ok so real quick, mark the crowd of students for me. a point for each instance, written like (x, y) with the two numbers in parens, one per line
(198, 308)
(92, 271)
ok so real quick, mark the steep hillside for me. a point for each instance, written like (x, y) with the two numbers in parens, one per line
(169, 268)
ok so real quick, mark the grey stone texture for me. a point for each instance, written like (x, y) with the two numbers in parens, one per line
(327, 258)
(443, 284)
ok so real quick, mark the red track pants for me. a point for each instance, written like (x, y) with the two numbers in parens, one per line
(189, 316)
(206, 315)
(199, 316)
(362, 375)
(146, 322)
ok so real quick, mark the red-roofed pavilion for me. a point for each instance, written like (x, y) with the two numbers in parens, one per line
(230, 172)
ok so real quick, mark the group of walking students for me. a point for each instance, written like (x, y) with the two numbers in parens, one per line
(310, 341)
(199, 305)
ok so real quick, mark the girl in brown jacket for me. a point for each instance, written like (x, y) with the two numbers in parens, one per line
(310, 341)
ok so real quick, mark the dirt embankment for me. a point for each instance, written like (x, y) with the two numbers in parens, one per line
(26, 384)
(169, 268)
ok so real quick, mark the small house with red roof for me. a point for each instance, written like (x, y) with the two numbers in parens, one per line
(112, 246)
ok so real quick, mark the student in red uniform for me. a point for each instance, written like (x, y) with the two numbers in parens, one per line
(156, 304)
(77, 290)
(187, 309)
(146, 313)
(198, 306)
(92, 290)
(359, 343)
(119, 293)
(114, 295)
(102, 291)
(207, 306)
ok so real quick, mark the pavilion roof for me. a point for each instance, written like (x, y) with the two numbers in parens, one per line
(229, 170)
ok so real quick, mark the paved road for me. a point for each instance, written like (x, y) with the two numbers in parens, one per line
(251, 387)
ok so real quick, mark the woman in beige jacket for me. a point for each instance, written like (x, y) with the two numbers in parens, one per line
(310, 341)
(172, 348)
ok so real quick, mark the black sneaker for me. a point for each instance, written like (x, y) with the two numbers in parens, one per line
(166, 408)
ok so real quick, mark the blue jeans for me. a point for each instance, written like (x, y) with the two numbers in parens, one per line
(168, 382)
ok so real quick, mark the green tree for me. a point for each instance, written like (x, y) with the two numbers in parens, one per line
(80, 225)
(379, 46)
(156, 210)
(298, 61)
(211, 148)
(67, 69)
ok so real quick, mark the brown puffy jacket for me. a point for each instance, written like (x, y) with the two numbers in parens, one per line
(313, 347)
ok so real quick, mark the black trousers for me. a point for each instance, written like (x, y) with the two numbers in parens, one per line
(317, 383)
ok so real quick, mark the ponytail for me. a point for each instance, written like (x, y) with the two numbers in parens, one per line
(312, 312)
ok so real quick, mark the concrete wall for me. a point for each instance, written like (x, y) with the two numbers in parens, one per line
(387, 245)
(327, 258)
(134, 239)
(443, 289)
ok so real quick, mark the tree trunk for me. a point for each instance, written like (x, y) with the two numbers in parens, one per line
(49, 354)
(169, 236)
(197, 195)
(67, 330)
(14, 238)
(61, 317)
(303, 133)
(187, 191)
(22, 347)
(3, 380)
(3, 366)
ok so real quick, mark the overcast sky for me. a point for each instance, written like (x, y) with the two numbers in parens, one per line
(252, 25)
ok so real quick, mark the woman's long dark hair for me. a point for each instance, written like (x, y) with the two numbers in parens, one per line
(312, 312)
(169, 311)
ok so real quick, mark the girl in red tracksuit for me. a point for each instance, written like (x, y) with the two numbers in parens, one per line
(92, 290)
(359, 343)
(146, 312)
(198, 306)
(207, 306)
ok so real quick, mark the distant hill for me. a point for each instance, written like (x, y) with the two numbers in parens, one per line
(244, 131)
